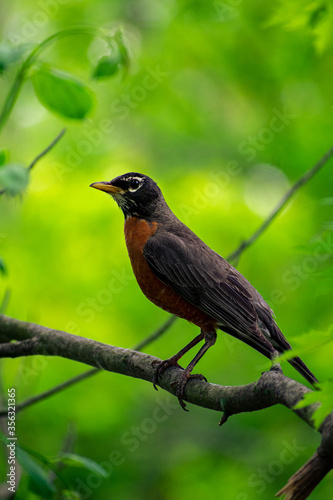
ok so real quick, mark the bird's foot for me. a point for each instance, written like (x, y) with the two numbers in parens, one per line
(161, 366)
(184, 377)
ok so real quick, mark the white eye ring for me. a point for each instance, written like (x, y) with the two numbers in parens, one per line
(132, 189)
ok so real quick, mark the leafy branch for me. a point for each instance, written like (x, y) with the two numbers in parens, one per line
(60, 92)
(311, 16)
(34, 55)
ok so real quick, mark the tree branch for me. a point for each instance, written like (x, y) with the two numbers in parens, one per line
(282, 203)
(83, 376)
(272, 388)
(32, 339)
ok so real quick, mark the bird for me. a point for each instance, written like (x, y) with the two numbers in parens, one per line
(179, 273)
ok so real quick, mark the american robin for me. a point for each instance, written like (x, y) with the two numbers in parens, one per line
(178, 272)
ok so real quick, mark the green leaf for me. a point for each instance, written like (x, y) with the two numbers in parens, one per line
(322, 21)
(106, 66)
(14, 178)
(315, 16)
(49, 464)
(23, 488)
(4, 155)
(74, 460)
(37, 455)
(307, 342)
(325, 399)
(39, 482)
(70, 495)
(62, 93)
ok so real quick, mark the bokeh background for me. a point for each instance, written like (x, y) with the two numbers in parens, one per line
(226, 105)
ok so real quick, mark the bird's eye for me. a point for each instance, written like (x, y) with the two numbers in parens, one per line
(134, 184)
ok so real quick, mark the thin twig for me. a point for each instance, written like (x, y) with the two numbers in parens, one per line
(303, 180)
(52, 391)
(155, 335)
(46, 150)
(42, 154)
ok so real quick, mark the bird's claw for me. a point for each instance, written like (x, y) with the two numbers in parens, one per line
(161, 366)
(184, 377)
(181, 384)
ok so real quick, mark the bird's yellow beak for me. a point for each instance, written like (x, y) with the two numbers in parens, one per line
(107, 187)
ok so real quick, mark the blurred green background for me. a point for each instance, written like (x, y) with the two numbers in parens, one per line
(225, 110)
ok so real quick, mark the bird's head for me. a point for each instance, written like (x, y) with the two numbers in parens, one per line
(136, 194)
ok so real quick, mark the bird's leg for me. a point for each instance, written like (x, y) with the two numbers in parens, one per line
(210, 338)
(173, 361)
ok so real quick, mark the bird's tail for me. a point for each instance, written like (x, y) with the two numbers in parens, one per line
(281, 344)
(301, 367)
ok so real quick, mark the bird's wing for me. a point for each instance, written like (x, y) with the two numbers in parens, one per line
(204, 279)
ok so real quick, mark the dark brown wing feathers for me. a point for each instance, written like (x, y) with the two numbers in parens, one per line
(202, 277)
(205, 279)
